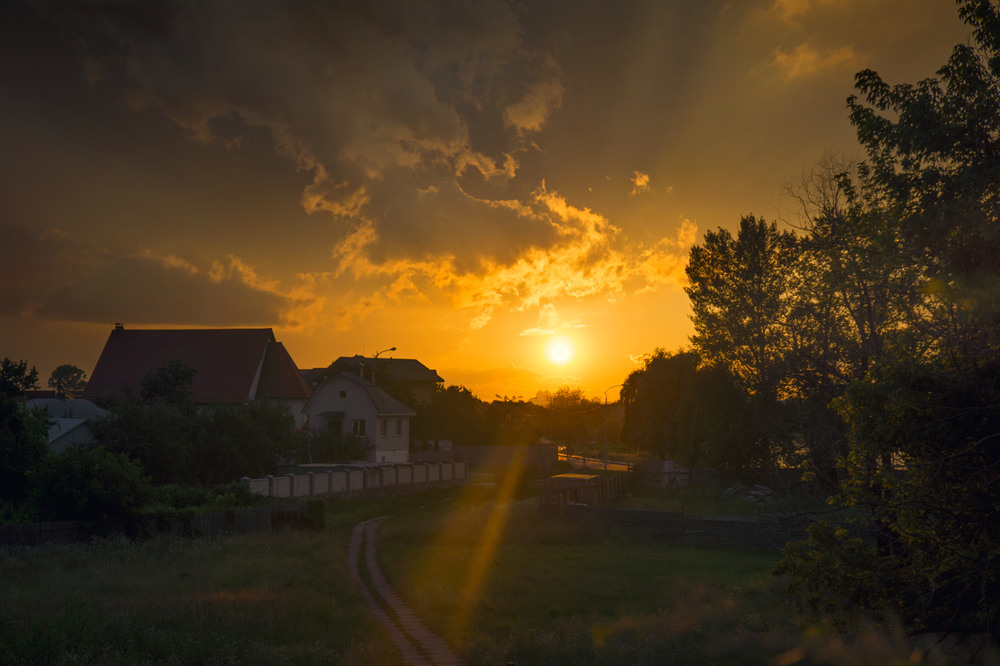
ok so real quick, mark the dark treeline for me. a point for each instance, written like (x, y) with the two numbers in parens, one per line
(863, 346)
(569, 419)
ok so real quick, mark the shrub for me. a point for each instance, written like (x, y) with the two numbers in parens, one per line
(102, 491)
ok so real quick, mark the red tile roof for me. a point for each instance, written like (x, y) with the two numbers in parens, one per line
(232, 365)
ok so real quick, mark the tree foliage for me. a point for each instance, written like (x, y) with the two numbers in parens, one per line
(68, 381)
(23, 432)
(454, 414)
(175, 441)
(103, 491)
(673, 408)
(921, 407)
(739, 291)
(16, 378)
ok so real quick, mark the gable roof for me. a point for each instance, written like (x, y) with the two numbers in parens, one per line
(59, 408)
(231, 364)
(385, 404)
(398, 369)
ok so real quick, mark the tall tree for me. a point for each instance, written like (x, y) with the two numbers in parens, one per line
(742, 297)
(924, 422)
(933, 159)
(740, 300)
(672, 410)
(68, 381)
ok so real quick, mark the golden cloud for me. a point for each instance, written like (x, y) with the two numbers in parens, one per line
(530, 113)
(804, 60)
(640, 183)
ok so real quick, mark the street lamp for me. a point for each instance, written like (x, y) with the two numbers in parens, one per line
(606, 422)
(375, 358)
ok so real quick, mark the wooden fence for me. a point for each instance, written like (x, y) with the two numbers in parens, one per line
(765, 533)
(36, 534)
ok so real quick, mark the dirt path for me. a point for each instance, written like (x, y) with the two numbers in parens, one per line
(418, 644)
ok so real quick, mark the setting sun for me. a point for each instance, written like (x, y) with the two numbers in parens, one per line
(560, 350)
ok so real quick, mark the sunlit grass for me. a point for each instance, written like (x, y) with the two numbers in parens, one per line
(562, 594)
(572, 593)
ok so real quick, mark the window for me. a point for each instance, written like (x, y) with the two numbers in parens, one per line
(385, 427)
(343, 395)
(399, 427)
(359, 427)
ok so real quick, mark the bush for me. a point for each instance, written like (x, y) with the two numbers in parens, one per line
(102, 491)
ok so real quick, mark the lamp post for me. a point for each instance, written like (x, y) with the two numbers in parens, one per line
(605, 451)
(375, 358)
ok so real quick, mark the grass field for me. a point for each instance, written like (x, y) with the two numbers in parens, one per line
(499, 581)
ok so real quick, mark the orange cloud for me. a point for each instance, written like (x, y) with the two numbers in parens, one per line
(530, 113)
(640, 183)
(804, 60)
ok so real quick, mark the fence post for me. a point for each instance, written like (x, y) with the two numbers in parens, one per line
(270, 485)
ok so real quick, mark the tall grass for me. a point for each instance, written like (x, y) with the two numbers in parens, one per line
(541, 592)
(283, 598)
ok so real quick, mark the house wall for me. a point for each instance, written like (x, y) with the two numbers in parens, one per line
(391, 447)
(356, 404)
(296, 407)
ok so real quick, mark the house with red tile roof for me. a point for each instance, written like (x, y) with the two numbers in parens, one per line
(231, 365)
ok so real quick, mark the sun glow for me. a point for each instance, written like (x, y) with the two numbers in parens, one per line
(560, 350)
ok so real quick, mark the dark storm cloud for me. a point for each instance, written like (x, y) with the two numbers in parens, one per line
(144, 290)
(350, 91)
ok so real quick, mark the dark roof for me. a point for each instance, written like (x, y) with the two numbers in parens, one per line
(398, 369)
(231, 364)
(280, 379)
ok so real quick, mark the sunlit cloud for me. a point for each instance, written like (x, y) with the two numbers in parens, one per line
(791, 10)
(805, 60)
(530, 113)
(640, 183)
(551, 322)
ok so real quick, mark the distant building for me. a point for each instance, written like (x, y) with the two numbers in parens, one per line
(232, 365)
(355, 406)
(69, 420)
(408, 374)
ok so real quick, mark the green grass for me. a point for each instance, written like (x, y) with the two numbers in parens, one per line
(559, 594)
(495, 578)
(286, 598)
(712, 500)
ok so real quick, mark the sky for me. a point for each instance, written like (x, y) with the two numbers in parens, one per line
(505, 190)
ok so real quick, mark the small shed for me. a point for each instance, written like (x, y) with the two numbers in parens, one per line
(571, 489)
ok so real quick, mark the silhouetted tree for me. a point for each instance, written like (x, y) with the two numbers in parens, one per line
(454, 414)
(742, 296)
(23, 436)
(923, 467)
(68, 381)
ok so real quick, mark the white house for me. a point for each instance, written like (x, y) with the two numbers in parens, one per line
(362, 409)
